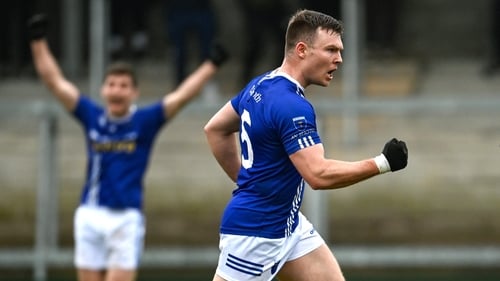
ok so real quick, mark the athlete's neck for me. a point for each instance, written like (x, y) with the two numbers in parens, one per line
(130, 112)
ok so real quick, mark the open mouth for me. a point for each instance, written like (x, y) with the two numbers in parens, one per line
(330, 73)
(116, 105)
(115, 101)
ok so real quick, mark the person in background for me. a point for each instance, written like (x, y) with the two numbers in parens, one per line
(382, 22)
(332, 8)
(14, 54)
(187, 19)
(492, 65)
(263, 21)
(263, 233)
(109, 224)
(129, 38)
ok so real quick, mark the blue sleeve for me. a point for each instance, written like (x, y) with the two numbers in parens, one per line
(296, 124)
(152, 118)
(86, 109)
(235, 101)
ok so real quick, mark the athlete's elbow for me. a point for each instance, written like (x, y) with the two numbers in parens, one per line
(315, 187)
(321, 183)
(208, 130)
(316, 183)
(315, 177)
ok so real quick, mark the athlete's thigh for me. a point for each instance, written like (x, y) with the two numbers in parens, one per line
(125, 241)
(90, 275)
(90, 248)
(318, 265)
(117, 274)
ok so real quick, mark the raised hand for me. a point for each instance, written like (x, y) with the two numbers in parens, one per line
(37, 27)
(218, 54)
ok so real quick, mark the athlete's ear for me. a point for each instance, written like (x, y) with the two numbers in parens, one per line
(301, 49)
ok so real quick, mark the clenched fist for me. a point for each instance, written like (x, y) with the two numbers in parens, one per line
(394, 156)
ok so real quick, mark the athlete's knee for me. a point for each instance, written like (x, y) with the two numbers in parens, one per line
(218, 278)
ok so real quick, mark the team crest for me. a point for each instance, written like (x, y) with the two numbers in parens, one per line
(299, 122)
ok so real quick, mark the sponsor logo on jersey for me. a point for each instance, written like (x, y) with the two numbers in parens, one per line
(102, 143)
(114, 146)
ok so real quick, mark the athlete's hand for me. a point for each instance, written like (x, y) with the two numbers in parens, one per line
(394, 156)
(396, 153)
(37, 27)
(218, 54)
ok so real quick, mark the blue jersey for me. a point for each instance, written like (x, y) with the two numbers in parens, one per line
(276, 121)
(118, 153)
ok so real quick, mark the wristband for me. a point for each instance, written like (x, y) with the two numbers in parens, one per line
(382, 164)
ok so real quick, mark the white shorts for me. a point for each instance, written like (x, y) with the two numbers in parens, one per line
(106, 238)
(258, 259)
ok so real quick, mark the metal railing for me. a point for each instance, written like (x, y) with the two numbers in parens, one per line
(46, 253)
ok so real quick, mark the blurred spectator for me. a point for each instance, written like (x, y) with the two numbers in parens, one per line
(331, 8)
(492, 66)
(381, 21)
(381, 25)
(128, 29)
(14, 52)
(262, 19)
(184, 19)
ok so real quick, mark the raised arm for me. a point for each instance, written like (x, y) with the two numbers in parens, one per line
(322, 173)
(174, 101)
(220, 132)
(46, 66)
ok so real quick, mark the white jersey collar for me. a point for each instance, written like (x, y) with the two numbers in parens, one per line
(131, 111)
(278, 72)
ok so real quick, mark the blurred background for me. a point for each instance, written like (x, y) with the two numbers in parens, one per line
(427, 72)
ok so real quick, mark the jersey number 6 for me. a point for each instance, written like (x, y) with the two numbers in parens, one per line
(245, 139)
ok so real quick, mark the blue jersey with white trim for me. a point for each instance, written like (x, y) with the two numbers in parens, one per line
(118, 153)
(276, 121)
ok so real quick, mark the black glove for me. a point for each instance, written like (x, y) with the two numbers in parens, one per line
(396, 153)
(218, 54)
(37, 26)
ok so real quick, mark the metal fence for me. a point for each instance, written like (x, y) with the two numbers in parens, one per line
(407, 116)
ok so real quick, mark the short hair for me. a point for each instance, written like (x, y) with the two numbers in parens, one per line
(122, 68)
(303, 24)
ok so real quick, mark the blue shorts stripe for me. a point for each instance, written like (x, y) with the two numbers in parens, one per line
(244, 261)
(244, 271)
(244, 266)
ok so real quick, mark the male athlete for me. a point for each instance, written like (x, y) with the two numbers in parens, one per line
(108, 224)
(263, 234)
